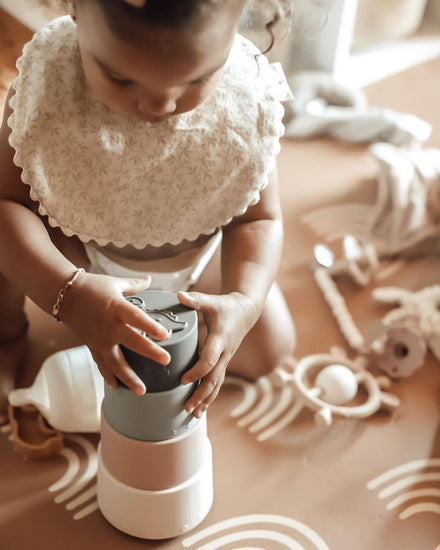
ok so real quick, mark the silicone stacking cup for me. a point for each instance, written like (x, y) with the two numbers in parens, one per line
(154, 465)
(181, 344)
(149, 417)
(156, 514)
(158, 414)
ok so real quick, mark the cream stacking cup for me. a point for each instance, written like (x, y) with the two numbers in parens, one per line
(155, 459)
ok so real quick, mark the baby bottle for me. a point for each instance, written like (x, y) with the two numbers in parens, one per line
(155, 459)
(68, 390)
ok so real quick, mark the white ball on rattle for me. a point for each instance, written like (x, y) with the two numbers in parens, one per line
(337, 383)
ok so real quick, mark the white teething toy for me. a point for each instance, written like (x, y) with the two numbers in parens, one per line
(401, 351)
(274, 401)
(419, 309)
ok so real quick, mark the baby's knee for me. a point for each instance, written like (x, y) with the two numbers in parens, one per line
(275, 334)
(264, 349)
(272, 352)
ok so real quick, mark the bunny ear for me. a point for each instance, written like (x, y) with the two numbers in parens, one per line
(390, 294)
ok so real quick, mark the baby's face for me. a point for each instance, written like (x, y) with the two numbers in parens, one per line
(162, 74)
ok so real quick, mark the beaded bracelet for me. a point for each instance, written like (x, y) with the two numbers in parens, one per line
(62, 292)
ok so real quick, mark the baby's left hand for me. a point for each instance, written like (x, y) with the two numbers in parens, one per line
(228, 319)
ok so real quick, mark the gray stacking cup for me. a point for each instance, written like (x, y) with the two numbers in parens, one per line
(181, 344)
(150, 417)
(158, 414)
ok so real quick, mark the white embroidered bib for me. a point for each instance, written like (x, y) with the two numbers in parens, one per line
(113, 178)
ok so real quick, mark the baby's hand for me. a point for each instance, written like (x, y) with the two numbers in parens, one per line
(96, 310)
(228, 319)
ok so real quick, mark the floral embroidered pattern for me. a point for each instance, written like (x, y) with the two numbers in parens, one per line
(113, 178)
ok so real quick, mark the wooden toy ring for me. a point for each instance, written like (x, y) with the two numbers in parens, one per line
(310, 396)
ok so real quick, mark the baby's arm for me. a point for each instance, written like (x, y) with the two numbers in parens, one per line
(252, 247)
(251, 252)
(94, 307)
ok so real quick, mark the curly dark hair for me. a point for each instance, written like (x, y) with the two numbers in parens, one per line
(121, 16)
(169, 13)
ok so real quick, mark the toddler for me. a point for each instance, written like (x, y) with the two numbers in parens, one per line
(136, 138)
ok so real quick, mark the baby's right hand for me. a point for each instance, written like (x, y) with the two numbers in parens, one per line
(96, 310)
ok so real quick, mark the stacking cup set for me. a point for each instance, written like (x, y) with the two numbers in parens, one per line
(155, 459)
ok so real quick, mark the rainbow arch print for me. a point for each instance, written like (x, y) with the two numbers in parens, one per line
(71, 487)
(255, 527)
(418, 479)
(262, 409)
(407, 476)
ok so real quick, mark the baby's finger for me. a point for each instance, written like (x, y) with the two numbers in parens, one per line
(135, 317)
(207, 391)
(196, 300)
(107, 374)
(129, 286)
(203, 407)
(208, 360)
(119, 367)
(138, 343)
